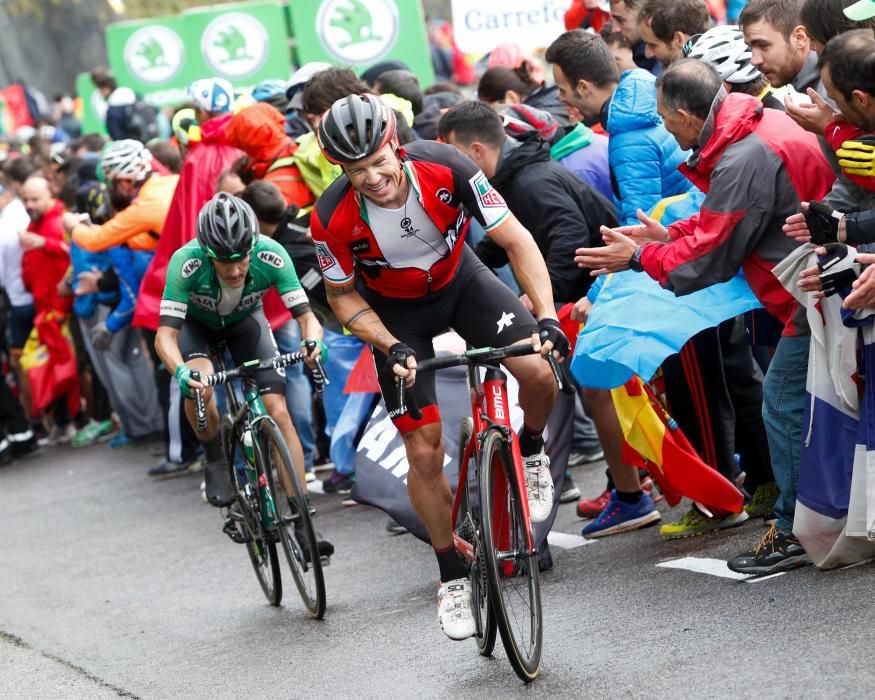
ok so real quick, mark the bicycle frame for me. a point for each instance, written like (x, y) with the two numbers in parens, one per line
(246, 415)
(490, 407)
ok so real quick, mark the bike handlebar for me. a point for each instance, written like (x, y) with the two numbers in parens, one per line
(247, 369)
(476, 356)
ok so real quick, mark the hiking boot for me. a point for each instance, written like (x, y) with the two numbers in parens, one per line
(620, 517)
(219, 489)
(168, 469)
(763, 500)
(570, 492)
(539, 486)
(575, 459)
(454, 609)
(695, 522)
(339, 483)
(778, 550)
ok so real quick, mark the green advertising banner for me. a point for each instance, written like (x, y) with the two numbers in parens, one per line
(93, 105)
(150, 57)
(360, 33)
(159, 57)
(244, 43)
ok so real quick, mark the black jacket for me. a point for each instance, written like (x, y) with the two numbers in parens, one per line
(561, 211)
(546, 98)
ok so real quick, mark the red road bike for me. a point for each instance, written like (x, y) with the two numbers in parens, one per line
(492, 528)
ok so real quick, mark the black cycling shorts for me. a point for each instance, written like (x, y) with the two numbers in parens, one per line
(475, 304)
(248, 339)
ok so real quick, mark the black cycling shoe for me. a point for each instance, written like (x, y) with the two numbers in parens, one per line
(220, 490)
(324, 547)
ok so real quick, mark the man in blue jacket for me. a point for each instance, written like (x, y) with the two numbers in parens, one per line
(643, 156)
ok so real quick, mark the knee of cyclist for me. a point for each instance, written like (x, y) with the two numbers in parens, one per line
(425, 449)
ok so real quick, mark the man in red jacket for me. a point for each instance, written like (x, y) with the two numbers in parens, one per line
(46, 255)
(44, 262)
(755, 166)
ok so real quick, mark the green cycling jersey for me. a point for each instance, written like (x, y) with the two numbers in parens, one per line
(193, 289)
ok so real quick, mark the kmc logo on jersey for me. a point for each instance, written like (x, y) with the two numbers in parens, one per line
(357, 31)
(235, 44)
(190, 267)
(271, 259)
(154, 54)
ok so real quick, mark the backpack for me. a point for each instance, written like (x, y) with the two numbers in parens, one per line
(141, 121)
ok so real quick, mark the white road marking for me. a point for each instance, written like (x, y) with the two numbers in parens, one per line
(315, 487)
(565, 541)
(712, 567)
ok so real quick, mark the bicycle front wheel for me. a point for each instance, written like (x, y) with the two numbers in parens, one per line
(294, 527)
(470, 529)
(246, 513)
(512, 566)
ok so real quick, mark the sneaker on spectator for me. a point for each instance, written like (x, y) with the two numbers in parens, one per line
(619, 516)
(648, 487)
(338, 483)
(168, 469)
(570, 492)
(763, 500)
(592, 507)
(23, 443)
(92, 433)
(575, 459)
(62, 435)
(120, 440)
(395, 527)
(454, 609)
(695, 522)
(778, 550)
(310, 476)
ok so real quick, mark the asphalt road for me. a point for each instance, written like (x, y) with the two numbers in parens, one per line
(114, 585)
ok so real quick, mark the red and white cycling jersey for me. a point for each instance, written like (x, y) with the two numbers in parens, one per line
(448, 186)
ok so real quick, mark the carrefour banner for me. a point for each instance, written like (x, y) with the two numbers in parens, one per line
(360, 33)
(480, 25)
(159, 57)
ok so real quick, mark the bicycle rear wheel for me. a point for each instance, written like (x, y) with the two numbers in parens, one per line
(512, 567)
(469, 527)
(294, 528)
(246, 512)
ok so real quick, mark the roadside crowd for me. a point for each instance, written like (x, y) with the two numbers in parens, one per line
(652, 137)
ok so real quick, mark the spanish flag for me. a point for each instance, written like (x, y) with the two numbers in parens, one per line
(660, 446)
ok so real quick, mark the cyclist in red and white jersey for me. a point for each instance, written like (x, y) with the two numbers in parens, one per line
(390, 234)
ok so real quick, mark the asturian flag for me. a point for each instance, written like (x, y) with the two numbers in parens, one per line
(835, 500)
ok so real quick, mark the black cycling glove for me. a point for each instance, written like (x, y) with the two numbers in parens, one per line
(398, 355)
(549, 329)
(838, 270)
(823, 223)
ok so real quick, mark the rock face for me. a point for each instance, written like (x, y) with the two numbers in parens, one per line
(46, 45)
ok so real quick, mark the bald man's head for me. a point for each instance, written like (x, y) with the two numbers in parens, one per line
(36, 196)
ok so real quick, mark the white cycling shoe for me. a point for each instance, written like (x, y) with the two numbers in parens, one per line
(539, 486)
(454, 609)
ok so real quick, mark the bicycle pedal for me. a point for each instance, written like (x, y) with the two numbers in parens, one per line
(230, 528)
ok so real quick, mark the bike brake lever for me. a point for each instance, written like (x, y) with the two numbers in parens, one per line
(558, 375)
(199, 408)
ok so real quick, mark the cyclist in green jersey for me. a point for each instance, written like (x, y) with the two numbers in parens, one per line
(213, 293)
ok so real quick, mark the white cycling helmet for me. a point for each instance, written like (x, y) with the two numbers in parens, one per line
(125, 159)
(725, 50)
(213, 95)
